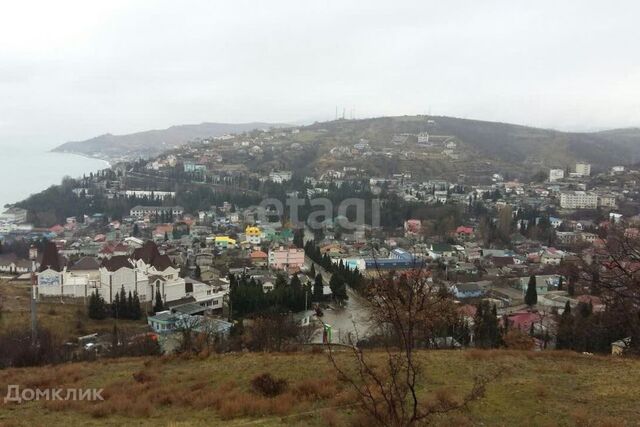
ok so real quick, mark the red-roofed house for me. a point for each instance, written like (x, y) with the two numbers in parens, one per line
(259, 258)
(464, 233)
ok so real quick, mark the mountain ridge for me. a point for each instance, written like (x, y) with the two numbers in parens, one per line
(149, 143)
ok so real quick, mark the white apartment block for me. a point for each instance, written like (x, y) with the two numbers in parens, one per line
(142, 211)
(578, 200)
(556, 174)
(583, 169)
(607, 201)
(280, 177)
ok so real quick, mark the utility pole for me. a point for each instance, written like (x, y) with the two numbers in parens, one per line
(33, 254)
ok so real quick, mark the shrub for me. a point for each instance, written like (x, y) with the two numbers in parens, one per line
(268, 386)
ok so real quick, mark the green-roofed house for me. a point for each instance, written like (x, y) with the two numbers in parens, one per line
(438, 250)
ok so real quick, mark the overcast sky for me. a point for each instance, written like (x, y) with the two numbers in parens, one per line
(72, 70)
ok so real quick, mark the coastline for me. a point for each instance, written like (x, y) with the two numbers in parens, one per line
(26, 171)
(108, 161)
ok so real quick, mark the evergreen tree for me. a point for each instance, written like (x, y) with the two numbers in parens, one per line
(166, 236)
(130, 308)
(97, 307)
(115, 306)
(298, 238)
(136, 230)
(486, 328)
(338, 288)
(159, 305)
(136, 310)
(122, 306)
(531, 297)
(318, 286)
(198, 273)
(564, 339)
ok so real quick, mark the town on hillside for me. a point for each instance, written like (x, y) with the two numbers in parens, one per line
(186, 240)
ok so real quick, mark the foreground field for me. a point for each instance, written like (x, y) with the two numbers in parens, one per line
(65, 321)
(552, 388)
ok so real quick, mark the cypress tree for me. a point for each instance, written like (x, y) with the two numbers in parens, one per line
(130, 308)
(531, 297)
(115, 306)
(318, 286)
(136, 311)
(338, 288)
(564, 339)
(158, 306)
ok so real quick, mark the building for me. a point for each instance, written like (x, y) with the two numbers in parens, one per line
(145, 272)
(259, 258)
(192, 167)
(578, 200)
(224, 242)
(467, 290)
(617, 169)
(14, 215)
(280, 177)
(286, 258)
(142, 211)
(412, 227)
(253, 235)
(583, 169)
(555, 174)
(11, 264)
(607, 201)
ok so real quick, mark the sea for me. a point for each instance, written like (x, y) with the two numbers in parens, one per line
(26, 169)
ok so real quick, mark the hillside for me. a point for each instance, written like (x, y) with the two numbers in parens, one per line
(545, 388)
(502, 142)
(482, 147)
(153, 142)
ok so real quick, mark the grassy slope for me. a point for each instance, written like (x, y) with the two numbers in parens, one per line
(551, 388)
(66, 321)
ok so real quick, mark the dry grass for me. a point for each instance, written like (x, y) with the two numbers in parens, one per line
(552, 388)
(66, 321)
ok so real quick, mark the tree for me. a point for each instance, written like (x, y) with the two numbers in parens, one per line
(318, 288)
(198, 273)
(564, 337)
(312, 270)
(130, 309)
(338, 288)
(406, 310)
(298, 238)
(486, 326)
(505, 222)
(136, 310)
(97, 307)
(159, 305)
(136, 230)
(531, 296)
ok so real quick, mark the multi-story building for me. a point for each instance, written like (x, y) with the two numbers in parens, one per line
(142, 211)
(280, 177)
(583, 169)
(286, 258)
(253, 235)
(607, 201)
(555, 174)
(14, 215)
(578, 200)
(146, 272)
